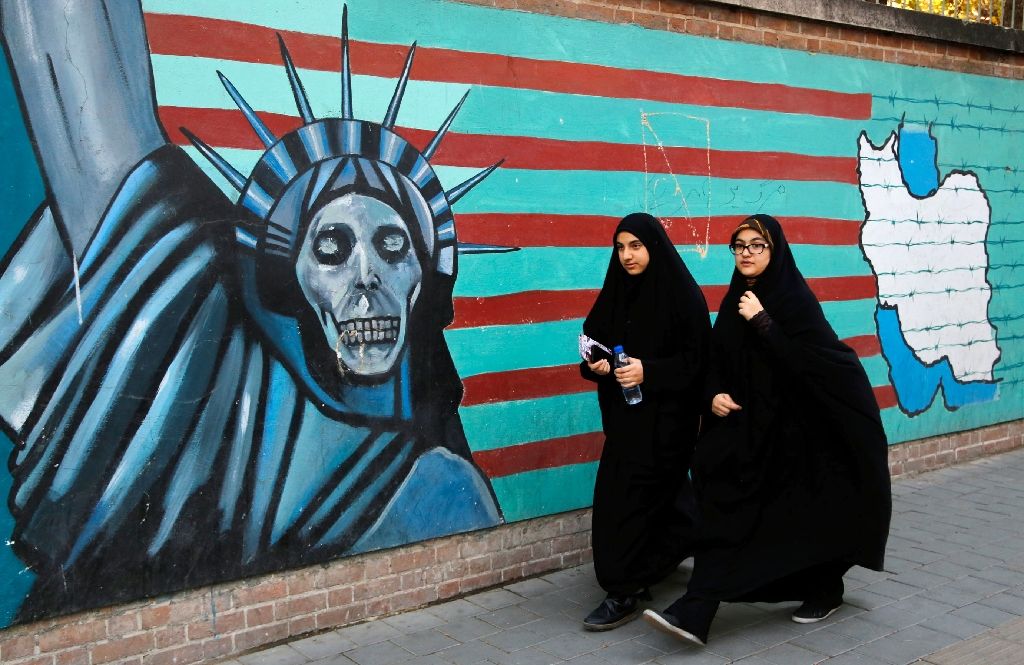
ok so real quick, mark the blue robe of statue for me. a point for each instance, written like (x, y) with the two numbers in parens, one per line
(169, 431)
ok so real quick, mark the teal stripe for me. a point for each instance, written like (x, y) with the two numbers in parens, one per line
(504, 348)
(614, 193)
(192, 82)
(530, 420)
(546, 491)
(570, 268)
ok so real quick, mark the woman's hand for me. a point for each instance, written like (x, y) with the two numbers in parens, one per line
(750, 306)
(631, 374)
(722, 405)
(601, 367)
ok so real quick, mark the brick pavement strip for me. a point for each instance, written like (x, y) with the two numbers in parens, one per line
(952, 594)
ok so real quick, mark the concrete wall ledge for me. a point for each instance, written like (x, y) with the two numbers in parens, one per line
(863, 14)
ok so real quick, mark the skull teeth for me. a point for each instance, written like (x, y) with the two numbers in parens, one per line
(380, 330)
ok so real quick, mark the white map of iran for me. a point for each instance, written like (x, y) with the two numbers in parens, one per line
(930, 262)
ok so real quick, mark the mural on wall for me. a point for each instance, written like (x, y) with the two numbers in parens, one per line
(199, 390)
(203, 390)
(925, 241)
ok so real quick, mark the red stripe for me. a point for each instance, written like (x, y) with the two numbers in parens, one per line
(547, 454)
(541, 306)
(578, 449)
(538, 382)
(546, 230)
(232, 40)
(226, 128)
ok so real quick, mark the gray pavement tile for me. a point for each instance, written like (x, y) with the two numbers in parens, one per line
(829, 641)
(964, 591)
(973, 560)
(948, 569)
(467, 629)
(509, 617)
(368, 633)
(894, 565)
(323, 645)
(453, 610)
(424, 642)
(569, 576)
(380, 653)
(415, 621)
(570, 645)
(282, 654)
(790, 654)
(588, 659)
(866, 600)
(921, 579)
(854, 658)
(471, 653)
(629, 652)
(908, 645)
(554, 604)
(771, 632)
(737, 615)
(495, 599)
(865, 575)
(916, 555)
(691, 656)
(954, 625)
(907, 612)
(527, 656)
(525, 636)
(863, 631)
(531, 588)
(1003, 574)
(892, 589)
(430, 659)
(733, 645)
(983, 614)
(339, 659)
(1006, 601)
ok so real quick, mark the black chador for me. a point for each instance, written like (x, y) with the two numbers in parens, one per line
(793, 488)
(643, 503)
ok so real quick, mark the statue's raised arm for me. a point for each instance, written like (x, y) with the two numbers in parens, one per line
(83, 71)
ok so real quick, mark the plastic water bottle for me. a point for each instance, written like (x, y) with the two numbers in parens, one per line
(632, 395)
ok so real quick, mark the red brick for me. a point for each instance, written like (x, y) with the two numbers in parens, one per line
(38, 660)
(250, 639)
(21, 646)
(337, 597)
(188, 610)
(218, 647)
(192, 653)
(302, 625)
(702, 28)
(596, 13)
(418, 558)
(260, 593)
(164, 638)
(72, 635)
(259, 616)
(122, 624)
(448, 589)
(71, 657)
(219, 625)
(653, 21)
(305, 581)
(343, 574)
(288, 609)
(156, 615)
(122, 648)
(376, 588)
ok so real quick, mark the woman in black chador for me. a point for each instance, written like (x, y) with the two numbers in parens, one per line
(791, 472)
(643, 503)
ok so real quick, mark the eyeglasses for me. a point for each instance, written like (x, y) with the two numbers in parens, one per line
(753, 248)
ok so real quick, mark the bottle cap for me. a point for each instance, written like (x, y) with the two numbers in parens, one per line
(617, 349)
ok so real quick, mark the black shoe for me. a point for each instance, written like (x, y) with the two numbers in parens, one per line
(667, 623)
(813, 611)
(613, 612)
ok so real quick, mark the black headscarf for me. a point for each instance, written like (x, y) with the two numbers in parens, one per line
(799, 476)
(640, 311)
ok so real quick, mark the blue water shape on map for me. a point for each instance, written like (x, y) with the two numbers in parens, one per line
(917, 383)
(917, 154)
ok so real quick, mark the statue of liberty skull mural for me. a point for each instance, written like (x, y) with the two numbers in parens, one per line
(200, 390)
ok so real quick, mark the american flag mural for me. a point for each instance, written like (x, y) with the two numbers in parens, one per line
(899, 187)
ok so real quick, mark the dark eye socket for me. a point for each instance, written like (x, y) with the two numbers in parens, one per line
(391, 243)
(332, 246)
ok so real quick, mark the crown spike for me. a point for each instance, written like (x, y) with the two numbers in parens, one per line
(254, 121)
(460, 190)
(396, 100)
(428, 152)
(346, 71)
(299, 92)
(236, 179)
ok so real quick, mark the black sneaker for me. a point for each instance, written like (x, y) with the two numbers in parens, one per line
(813, 611)
(612, 613)
(667, 623)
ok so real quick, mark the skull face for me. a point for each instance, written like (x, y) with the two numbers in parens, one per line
(359, 272)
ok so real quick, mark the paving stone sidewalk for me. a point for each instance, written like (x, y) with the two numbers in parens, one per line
(952, 594)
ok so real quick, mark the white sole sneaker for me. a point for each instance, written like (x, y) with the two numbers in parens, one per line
(655, 620)
(816, 619)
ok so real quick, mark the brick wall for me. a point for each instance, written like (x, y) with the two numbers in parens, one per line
(208, 624)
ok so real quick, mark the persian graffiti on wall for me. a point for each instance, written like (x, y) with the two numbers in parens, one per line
(198, 390)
